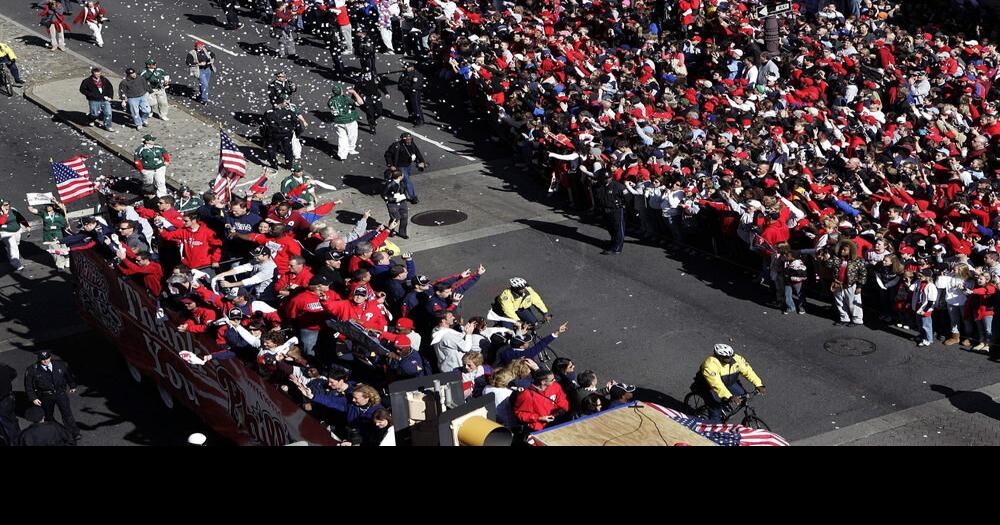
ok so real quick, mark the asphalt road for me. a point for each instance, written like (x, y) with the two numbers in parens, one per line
(239, 93)
(29, 139)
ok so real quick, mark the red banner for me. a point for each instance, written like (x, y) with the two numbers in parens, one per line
(227, 395)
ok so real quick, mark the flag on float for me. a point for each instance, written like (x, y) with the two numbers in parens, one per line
(726, 434)
(72, 179)
(232, 168)
(260, 186)
(319, 211)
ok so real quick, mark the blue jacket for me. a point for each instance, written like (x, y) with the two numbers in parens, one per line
(243, 224)
(508, 353)
(412, 365)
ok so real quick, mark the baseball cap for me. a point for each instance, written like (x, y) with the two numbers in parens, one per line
(148, 138)
(43, 355)
(296, 167)
(235, 314)
(403, 342)
(129, 71)
(518, 340)
(622, 387)
(150, 62)
(404, 322)
(319, 280)
(360, 290)
(334, 255)
(261, 250)
(422, 280)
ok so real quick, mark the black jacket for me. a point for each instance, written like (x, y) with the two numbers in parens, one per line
(38, 382)
(90, 90)
(46, 434)
(7, 375)
(610, 195)
(402, 155)
(410, 82)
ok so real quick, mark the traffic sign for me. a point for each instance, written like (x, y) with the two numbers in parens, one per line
(775, 9)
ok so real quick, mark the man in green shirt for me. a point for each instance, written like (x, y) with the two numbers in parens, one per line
(158, 80)
(344, 106)
(187, 200)
(152, 160)
(296, 179)
(12, 224)
(53, 230)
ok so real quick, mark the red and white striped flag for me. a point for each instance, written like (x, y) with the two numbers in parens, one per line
(72, 179)
(232, 168)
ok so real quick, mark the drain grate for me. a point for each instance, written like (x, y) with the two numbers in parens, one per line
(849, 347)
(438, 217)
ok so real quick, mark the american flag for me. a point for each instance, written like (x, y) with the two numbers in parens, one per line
(72, 179)
(232, 168)
(727, 435)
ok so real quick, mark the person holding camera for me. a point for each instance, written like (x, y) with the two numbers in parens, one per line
(94, 16)
(543, 403)
(404, 155)
(394, 195)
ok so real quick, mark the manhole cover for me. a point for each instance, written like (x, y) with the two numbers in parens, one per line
(438, 217)
(849, 347)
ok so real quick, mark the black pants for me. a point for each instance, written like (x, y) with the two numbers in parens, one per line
(616, 227)
(400, 212)
(61, 400)
(373, 110)
(232, 15)
(9, 426)
(413, 107)
(276, 143)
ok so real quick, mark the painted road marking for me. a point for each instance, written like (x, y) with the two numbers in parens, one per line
(436, 143)
(220, 48)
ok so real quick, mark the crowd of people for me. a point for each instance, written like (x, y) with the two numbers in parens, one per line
(856, 160)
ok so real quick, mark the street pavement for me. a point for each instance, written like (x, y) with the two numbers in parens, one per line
(646, 317)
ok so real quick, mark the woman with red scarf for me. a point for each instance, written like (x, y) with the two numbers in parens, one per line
(55, 21)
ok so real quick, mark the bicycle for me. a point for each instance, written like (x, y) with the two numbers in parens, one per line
(6, 80)
(699, 408)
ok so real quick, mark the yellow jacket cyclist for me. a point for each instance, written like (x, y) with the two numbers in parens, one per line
(720, 373)
(516, 302)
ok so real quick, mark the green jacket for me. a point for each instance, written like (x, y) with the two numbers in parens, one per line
(157, 78)
(289, 183)
(343, 109)
(53, 226)
(11, 225)
(152, 157)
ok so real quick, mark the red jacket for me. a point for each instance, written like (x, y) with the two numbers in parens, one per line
(532, 404)
(291, 281)
(282, 249)
(368, 314)
(152, 274)
(306, 311)
(199, 319)
(200, 248)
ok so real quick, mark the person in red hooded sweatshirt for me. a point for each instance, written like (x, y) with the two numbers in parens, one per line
(199, 319)
(201, 248)
(542, 403)
(307, 313)
(358, 308)
(281, 242)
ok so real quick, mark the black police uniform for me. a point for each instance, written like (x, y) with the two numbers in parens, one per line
(52, 389)
(610, 197)
(366, 54)
(9, 427)
(232, 14)
(46, 434)
(279, 124)
(411, 85)
(278, 91)
(371, 89)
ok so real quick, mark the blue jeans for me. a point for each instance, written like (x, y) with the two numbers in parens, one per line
(204, 78)
(411, 190)
(927, 327)
(139, 109)
(308, 338)
(985, 326)
(101, 109)
(715, 405)
(795, 297)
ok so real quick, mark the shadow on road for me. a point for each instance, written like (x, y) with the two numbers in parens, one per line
(970, 402)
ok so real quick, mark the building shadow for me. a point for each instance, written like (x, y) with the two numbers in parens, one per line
(566, 231)
(970, 402)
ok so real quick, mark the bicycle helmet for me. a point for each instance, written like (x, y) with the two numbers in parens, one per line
(724, 350)
(518, 282)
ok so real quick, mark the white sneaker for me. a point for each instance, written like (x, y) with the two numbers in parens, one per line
(354, 152)
(924, 343)
(165, 119)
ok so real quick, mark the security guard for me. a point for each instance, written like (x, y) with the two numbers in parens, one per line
(152, 160)
(48, 384)
(609, 195)
(279, 127)
(718, 380)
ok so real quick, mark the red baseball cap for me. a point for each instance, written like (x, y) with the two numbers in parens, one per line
(404, 322)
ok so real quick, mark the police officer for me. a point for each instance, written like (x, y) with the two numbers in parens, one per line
(280, 88)
(609, 195)
(232, 14)
(396, 200)
(366, 53)
(279, 127)
(48, 384)
(44, 432)
(371, 90)
(9, 428)
(411, 85)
